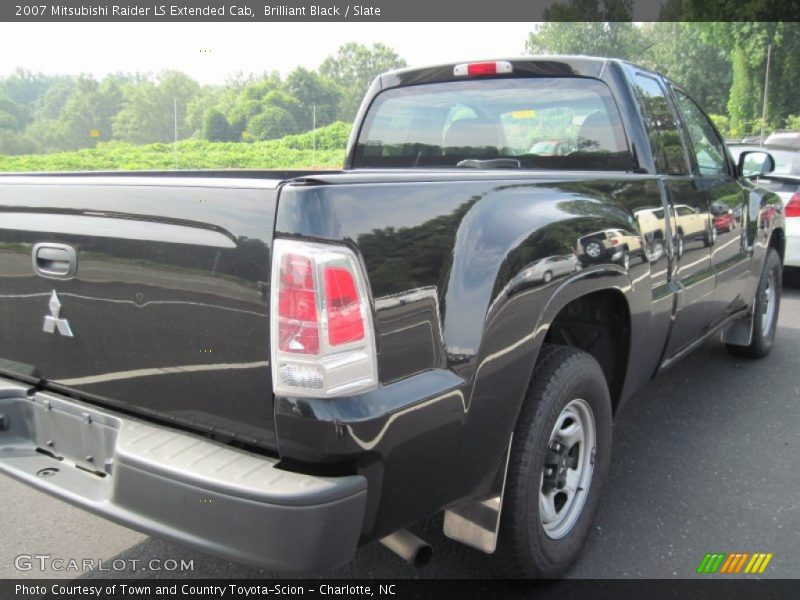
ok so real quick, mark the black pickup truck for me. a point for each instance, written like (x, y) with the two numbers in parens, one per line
(280, 367)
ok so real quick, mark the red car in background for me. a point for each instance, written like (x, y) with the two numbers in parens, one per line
(724, 219)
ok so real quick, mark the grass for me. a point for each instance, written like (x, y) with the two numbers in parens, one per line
(291, 152)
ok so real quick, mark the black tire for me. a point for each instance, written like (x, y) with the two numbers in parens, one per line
(548, 276)
(561, 375)
(680, 245)
(594, 250)
(763, 330)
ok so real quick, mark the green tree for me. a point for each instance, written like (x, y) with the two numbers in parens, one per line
(148, 112)
(747, 43)
(15, 143)
(216, 127)
(87, 114)
(12, 114)
(683, 53)
(353, 69)
(315, 94)
(49, 135)
(207, 98)
(24, 88)
(282, 100)
(588, 27)
(611, 39)
(50, 104)
(272, 123)
(249, 100)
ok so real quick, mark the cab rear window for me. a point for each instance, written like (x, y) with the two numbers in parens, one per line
(553, 123)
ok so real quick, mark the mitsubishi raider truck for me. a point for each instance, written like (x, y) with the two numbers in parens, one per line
(280, 367)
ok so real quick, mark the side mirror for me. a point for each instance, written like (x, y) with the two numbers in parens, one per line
(753, 163)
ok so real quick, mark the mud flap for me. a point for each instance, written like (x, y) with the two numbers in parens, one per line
(476, 521)
(740, 332)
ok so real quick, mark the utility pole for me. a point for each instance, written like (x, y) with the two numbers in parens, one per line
(314, 135)
(764, 106)
(175, 123)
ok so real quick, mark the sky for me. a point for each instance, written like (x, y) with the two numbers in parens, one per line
(212, 52)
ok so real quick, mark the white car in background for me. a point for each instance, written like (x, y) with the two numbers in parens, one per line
(784, 181)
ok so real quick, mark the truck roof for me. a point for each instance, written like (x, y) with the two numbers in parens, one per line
(542, 65)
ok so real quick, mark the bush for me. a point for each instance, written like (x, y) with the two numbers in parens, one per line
(291, 152)
(272, 123)
(331, 137)
(216, 127)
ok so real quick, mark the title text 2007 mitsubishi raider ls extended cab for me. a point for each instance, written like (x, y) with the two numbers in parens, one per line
(279, 367)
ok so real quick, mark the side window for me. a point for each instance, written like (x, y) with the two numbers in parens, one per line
(665, 137)
(708, 148)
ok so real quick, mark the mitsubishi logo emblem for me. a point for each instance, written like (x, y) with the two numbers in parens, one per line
(53, 321)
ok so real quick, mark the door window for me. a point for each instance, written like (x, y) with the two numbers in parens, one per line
(665, 138)
(709, 150)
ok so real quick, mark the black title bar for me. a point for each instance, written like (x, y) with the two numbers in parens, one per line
(386, 10)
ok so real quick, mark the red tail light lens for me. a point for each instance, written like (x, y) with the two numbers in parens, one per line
(314, 353)
(298, 329)
(793, 206)
(474, 69)
(483, 68)
(343, 307)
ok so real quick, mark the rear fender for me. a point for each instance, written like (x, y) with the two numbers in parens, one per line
(508, 355)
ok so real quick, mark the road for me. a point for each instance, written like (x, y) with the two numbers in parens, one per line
(706, 458)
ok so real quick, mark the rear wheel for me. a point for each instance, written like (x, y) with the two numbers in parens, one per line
(710, 237)
(679, 245)
(559, 461)
(765, 311)
(594, 250)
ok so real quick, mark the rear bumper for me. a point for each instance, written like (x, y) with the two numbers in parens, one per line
(178, 486)
(792, 257)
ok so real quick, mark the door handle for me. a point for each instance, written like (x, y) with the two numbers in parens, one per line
(55, 261)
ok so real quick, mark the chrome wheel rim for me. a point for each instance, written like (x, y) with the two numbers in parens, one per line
(768, 310)
(594, 250)
(567, 472)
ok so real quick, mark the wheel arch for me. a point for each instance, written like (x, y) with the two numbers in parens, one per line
(777, 240)
(598, 322)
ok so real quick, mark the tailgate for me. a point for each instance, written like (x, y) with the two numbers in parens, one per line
(166, 312)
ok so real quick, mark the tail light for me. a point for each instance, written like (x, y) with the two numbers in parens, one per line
(323, 342)
(482, 68)
(793, 206)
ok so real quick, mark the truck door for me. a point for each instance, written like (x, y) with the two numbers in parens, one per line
(727, 202)
(691, 236)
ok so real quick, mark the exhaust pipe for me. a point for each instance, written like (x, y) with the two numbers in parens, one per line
(408, 547)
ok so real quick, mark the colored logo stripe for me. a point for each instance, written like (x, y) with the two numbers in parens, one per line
(720, 562)
(711, 563)
(758, 563)
(735, 562)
